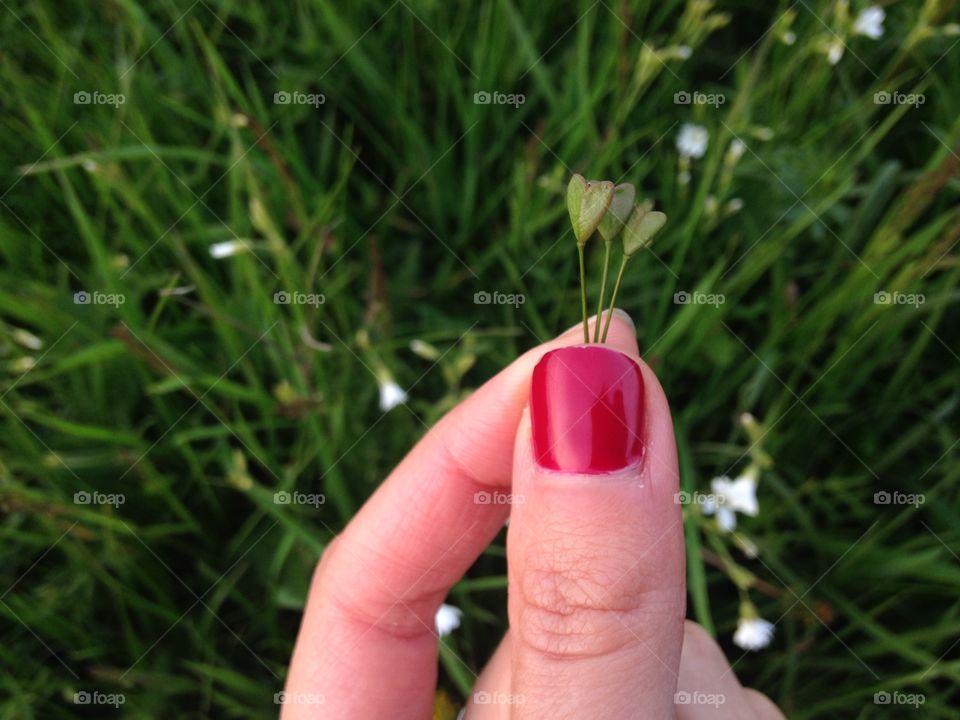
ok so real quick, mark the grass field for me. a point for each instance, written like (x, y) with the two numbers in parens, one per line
(182, 389)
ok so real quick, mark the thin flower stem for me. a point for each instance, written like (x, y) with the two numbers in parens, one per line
(583, 294)
(613, 298)
(603, 291)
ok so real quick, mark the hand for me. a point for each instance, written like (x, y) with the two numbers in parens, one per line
(595, 554)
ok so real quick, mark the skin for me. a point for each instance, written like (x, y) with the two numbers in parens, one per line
(597, 627)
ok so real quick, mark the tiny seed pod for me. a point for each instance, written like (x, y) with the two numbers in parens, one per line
(640, 228)
(619, 212)
(587, 203)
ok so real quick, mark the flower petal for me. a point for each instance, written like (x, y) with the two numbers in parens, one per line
(726, 519)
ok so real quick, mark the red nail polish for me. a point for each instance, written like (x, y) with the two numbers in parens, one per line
(586, 409)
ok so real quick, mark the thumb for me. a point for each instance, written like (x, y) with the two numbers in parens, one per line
(595, 545)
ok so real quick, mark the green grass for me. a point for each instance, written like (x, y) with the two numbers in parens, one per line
(398, 199)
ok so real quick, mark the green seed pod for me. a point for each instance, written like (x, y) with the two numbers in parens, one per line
(640, 228)
(587, 203)
(619, 212)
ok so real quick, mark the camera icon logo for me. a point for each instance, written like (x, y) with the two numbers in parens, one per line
(681, 298)
(881, 497)
(81, 298)
(281, 498)
(681, 98)
(481, 98)
(281, 298)
(482, 298)
(682, 697)
(281, 98)
(881, 698)
(82, 498)
(882, 298)
(882, 98)
(82, 98)
(81, 698)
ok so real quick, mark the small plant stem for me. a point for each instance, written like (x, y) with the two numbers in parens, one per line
(613, 298)
(603, 291)
(583, 294)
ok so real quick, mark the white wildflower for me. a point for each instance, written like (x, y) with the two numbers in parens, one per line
(447, 619)
(870, 22)
(736, 150)
(692, 140)
(27, 339)
(789, 37)
(835, 51)
(391, 394)
(753, 633)
(732, 497)
(228, 248)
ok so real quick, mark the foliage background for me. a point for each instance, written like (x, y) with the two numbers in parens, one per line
(398, 199)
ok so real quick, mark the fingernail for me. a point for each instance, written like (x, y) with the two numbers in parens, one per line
(586, 410)
(625, 316)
